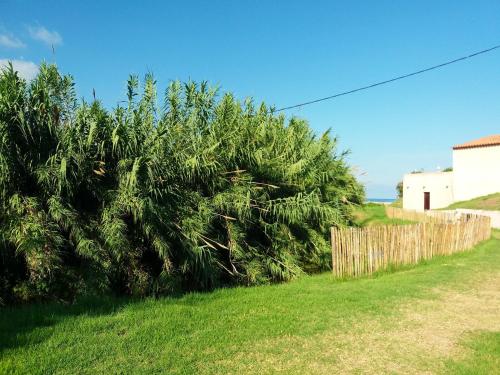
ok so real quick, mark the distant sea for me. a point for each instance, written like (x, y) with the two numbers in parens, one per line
(381, 200)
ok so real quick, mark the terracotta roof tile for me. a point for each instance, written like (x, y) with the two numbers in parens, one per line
(491, 140)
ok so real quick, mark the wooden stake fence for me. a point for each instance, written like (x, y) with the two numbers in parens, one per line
(363, 251)
(421, 216)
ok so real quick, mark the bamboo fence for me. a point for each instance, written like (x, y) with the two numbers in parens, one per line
(363, 251)
(421, 216)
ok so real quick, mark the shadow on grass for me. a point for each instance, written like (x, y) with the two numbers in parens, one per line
(18, 322)
(31, 324)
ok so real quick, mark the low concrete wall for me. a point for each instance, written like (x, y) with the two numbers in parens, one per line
(442, 215)
(494, 215)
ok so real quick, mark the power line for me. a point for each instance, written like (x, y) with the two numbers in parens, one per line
(389, 80)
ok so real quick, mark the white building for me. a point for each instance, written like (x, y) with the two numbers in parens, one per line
(476, 172)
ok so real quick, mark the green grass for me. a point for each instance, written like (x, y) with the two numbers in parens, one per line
(374, 214)
(487, 202)
(397, 203)
(238, 330)
(484, 357)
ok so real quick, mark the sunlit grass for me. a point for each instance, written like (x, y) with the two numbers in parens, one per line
(374, 214)
(487, 202)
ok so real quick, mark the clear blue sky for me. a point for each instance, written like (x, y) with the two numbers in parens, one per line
(285, 52)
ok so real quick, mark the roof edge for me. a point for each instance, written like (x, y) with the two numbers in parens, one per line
(459, 147)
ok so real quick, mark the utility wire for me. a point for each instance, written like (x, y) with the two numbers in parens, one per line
(389, 80)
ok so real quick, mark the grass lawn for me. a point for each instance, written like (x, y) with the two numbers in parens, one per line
(397, 203)
(374, 214)
(487, 202)
(484, 357)
(441, 316)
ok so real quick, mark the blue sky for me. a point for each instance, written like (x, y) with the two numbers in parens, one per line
(287, 52)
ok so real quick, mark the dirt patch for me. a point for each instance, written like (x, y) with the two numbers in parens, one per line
(416, 340)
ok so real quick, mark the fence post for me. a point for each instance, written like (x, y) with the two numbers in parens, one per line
(334, 263)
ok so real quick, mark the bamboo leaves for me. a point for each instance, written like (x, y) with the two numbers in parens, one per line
(196, 193)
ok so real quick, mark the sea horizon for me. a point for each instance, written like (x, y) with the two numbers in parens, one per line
(380, 200)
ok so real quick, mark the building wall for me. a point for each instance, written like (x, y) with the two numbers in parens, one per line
(438, 184)
(476, 172)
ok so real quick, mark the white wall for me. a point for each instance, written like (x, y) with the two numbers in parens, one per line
(476, 172)
(494, 215)
(438, 184)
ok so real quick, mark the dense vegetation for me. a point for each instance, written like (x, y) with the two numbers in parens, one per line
(399, 189)
(147, 199)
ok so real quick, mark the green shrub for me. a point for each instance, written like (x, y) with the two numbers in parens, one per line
(148, 199)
